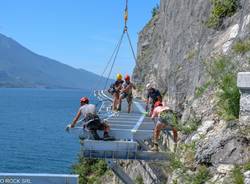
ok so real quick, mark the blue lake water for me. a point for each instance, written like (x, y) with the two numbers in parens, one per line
(32, 136)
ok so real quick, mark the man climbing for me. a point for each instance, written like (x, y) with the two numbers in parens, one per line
(115, 90)
(91, 119)
(165, 119)
(126, 92)
(153, 95)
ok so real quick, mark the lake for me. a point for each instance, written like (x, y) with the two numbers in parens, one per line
(32, 135)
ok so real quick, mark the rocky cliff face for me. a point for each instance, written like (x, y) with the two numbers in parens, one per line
(174, 44)
(174, 49)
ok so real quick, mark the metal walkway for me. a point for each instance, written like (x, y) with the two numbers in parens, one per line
(128, 129)
(126, 126)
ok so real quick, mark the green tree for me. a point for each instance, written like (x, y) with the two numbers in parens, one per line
(155, 10)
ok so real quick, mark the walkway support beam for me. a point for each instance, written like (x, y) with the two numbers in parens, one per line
(119, 172)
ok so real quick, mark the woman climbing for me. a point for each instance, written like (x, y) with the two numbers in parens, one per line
(165, 119)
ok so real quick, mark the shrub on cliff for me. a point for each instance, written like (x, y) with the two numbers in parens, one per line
(220, 10)
(242, 47)
(223, 73)
(89, 170)
(237, 176)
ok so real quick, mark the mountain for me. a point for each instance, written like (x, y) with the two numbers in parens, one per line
(20, 67)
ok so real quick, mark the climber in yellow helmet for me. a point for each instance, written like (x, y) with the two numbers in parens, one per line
(115, 90)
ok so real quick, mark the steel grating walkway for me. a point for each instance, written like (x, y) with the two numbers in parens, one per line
(128, 129)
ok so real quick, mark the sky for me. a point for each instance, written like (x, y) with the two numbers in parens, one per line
(79, 33)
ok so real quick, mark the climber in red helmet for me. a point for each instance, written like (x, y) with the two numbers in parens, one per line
(91, 119)
(165, 118)
(126, 92)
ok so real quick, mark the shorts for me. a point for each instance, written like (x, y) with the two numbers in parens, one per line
(166, 117)
(129, 97)
(94, 122)
(169, 125)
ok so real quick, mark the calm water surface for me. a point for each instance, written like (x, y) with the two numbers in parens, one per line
(32, 136)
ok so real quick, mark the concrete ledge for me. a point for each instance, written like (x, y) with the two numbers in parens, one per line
(243, 80)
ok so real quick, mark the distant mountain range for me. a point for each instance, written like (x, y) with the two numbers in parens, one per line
(20, 67)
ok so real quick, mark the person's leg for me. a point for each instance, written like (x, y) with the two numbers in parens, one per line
(105, 127)
(120, 103)
(129, 100)
(93, 127)
(129, 107)
(175, 135)
(94, 134)
(157, 131)
(114, 102)
(117, 101)
(155, 137)
(122, 96)
(158, 128)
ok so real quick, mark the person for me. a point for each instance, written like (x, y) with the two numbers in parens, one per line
(92, 120)
(153, 95)
(126, 92)
(116, 89)
(165, 118)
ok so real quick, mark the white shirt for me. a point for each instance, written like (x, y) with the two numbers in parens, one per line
(88, 108)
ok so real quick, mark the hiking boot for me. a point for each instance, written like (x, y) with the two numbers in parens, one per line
(155, 148)
(106, 137)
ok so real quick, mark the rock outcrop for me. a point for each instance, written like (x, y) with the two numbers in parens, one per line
(174, 44)
(174, 49)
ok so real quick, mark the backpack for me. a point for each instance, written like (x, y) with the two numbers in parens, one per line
(168, 117)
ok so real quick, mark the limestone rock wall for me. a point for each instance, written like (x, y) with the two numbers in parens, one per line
(171, 52)
(174, 44)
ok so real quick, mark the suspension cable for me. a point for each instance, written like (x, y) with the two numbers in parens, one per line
(112, 66)
(117, 48)
(125, 30)
(130, 43)
(105, 69)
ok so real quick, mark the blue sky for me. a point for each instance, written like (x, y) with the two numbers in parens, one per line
(80, 33)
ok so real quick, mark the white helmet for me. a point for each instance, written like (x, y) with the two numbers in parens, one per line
(148, 86)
